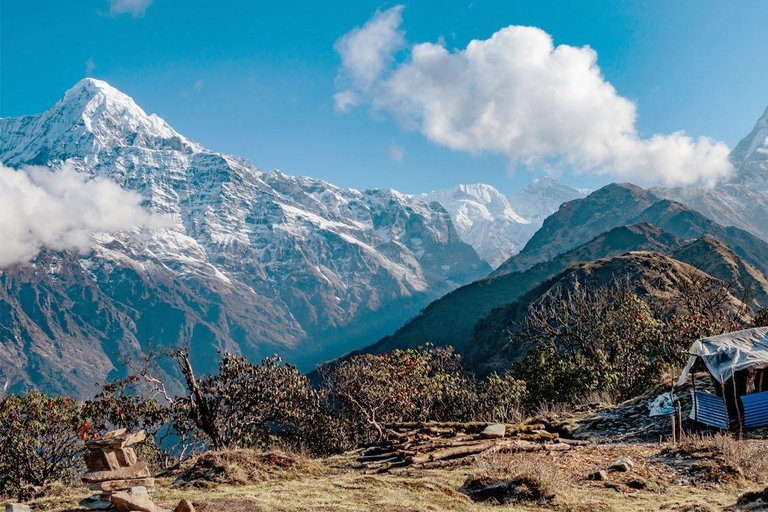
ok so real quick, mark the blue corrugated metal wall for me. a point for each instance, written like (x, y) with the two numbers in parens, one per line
(710, 410)
(755, 409)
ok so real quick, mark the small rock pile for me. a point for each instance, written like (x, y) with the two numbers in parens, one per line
(116, 473)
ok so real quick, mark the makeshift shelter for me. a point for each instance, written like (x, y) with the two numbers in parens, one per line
(737, 362)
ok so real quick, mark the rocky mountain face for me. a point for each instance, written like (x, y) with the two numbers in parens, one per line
(742, 201)
(251, 262)
(498, 226)
(580, 220)
(709, 255)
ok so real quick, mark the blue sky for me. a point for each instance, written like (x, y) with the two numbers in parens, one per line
(257, 79)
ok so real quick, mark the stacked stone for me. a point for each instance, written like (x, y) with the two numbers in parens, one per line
(115, 471)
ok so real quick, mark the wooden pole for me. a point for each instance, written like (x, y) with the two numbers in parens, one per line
(736, 400)
(674, 429)
(695, 403)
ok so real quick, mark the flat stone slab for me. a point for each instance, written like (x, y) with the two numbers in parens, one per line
(109, 459)
(494, 431)
(18, 507)
(95, 502)
(135, 499)
(117, 441)
(121, 485)
(139, 470)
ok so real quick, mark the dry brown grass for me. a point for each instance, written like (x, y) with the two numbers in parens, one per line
(256, 483)
(746, 458)
(536, 471)
(243, 467)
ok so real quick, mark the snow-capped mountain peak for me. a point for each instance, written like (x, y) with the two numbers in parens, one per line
(755, 144)
(253, 262)
(90, 116)
(742, 201)
(498, 226)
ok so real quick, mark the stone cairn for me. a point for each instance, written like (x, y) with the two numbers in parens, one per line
(119, 477)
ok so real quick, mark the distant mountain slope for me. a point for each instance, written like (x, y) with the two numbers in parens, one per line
(542, 197)
(622, 204)
(451, 320)
(481, 312)
(580, 220)
(709, 255)
(498, 226)
(742, 201)
(650, 274)
(484, 219)
(253, 262)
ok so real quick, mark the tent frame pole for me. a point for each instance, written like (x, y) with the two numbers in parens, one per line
(695, 403)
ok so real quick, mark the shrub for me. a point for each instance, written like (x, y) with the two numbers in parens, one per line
(519, 477)
(244, 404)
(611, 341)
(39, 442)
(500, 399)
(123, 403)
(761, 318)
(587, 341)
(404, 385)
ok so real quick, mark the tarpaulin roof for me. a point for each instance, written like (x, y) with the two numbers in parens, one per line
(728, 353)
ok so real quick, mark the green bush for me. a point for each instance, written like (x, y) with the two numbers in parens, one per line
(124, 403)
(39, 442)
(245, 405)
(608, 340)
(368, 391)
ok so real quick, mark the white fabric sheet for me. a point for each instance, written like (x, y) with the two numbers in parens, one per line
(728, 353)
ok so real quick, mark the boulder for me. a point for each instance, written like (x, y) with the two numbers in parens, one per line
(114, 433)
(136, 499)
(622, 465)
(16, 507)
(499, 493)
(96, 502)
(494, 431)
(598, 475)
(117, 441)
(184, 506)
(108, 458)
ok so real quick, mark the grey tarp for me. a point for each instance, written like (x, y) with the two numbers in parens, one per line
(728, 353)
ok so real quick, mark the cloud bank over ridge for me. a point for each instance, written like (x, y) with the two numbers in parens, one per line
(61, 210)
(516, 94)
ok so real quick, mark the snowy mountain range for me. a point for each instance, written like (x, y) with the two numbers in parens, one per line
(498, 226)
(252, 262)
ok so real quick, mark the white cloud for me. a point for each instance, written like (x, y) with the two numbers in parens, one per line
(368, 50)
(198, 85)
(135, 8)
(344, 101)
(90, 65)
(518, 94)
(60, 210)
(396, 152)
